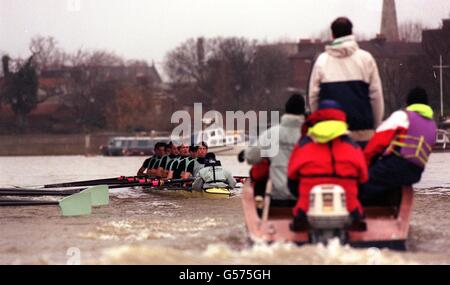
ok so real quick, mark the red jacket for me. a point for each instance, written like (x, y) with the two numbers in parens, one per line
(339, 161)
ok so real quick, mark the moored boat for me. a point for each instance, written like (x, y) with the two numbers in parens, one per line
(130, 146)
(442, 141)
(387, 226)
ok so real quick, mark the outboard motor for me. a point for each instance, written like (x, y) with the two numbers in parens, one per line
(328, 216)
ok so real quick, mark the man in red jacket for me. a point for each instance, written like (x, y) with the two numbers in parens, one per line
(326, 155)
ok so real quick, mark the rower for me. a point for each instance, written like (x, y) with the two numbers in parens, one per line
(173, 160)
(160, 168)
(149, 162)
(159, 153)
(186, 166)
(213, 175)
(199, 163)
(174, 172)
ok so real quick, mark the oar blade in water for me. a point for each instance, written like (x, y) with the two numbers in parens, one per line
(99, 195)
(77, 204)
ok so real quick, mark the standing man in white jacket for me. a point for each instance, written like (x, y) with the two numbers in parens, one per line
(349, 75)
(282, 137)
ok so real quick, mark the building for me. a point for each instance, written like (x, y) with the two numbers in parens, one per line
(402, 65)
(53, 112)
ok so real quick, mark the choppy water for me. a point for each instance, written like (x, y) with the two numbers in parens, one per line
(155, 229)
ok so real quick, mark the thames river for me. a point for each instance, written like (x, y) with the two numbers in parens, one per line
(142, 228)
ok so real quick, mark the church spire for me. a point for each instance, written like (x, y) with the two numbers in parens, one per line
(389, 27)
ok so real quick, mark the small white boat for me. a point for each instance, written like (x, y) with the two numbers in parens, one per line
(218, 140)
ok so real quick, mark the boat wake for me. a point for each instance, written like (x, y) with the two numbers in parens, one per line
(260, 253)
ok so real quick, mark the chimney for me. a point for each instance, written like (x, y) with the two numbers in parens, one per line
(200, 51)
(446, 24)
(5, 61)
(389, 27)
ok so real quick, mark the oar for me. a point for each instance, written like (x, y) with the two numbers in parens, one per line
(113, 180)
(37, 192)
(153, 182)
(75, 205)
(171, 181)
(240, 179)
(267, 199)
(99, 194)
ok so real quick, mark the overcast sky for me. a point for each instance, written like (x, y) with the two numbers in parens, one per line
(147, 29)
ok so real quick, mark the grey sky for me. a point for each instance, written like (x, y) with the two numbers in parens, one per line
(147, 29)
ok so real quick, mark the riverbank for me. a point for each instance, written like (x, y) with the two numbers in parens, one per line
(67, 144)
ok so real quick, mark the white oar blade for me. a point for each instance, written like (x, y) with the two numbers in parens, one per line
(99, 195)
(76, 205)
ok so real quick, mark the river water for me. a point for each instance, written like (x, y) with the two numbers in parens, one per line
(141, 228)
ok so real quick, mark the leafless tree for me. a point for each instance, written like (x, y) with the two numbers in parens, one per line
(214, 68)
(237, 55)
(89, 90)
(270, 75)
(411, 31)
(47, 53)
(182, 64)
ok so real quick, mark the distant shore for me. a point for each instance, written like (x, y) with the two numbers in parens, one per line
(46, 144)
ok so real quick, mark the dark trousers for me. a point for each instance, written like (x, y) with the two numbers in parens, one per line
(259, 188)
(386, 176)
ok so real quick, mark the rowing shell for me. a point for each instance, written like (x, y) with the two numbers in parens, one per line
(211, 193)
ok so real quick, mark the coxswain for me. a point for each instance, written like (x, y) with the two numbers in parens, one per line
(199, 163)
(213, 175)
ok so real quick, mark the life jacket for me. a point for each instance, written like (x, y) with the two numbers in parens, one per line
(216, 175)
(416, 144)
(326, 155)
(199, 163)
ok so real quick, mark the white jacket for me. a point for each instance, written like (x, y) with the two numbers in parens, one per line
(349, 75)
(288, 135)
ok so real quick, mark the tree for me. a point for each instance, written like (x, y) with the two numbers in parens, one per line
(411, 31)
(89, 90)
(183, 64)
(128, 110)
(237, 54)
(210, 66)
(47, 53)
(19, 89)
(186, 66)
(270, 75)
